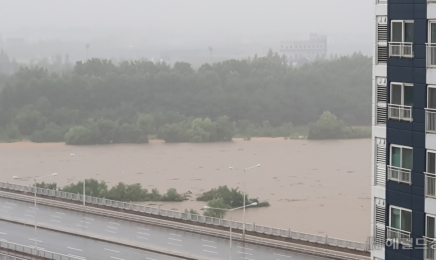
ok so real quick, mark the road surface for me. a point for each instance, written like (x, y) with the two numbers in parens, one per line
(151, 236)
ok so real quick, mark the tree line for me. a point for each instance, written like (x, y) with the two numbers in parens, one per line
(100, 102)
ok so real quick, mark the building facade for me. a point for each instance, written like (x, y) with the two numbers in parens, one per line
(404, 130)
(305, 51)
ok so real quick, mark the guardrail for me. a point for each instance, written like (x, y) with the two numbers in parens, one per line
(190, 228)
(30, 251)
(280, 233)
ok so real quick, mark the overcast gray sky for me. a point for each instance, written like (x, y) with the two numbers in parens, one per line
(181, 23)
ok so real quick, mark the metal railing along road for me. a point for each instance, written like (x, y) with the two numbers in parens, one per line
(192, 218)
(430, 120)
(401, 49)
(430, 185)
(17, 248)
(399, 174)
(400, 112)
(398, 236)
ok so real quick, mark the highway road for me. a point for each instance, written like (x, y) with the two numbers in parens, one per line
(65, 244)
(151, 236)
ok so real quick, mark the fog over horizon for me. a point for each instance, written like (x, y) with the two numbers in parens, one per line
(179, 30)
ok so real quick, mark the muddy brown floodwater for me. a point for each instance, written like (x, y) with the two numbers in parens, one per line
(317, 187)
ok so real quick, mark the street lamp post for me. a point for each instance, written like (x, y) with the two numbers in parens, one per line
(84, 183)
(36, 212)
(245, 170)
(230, 245)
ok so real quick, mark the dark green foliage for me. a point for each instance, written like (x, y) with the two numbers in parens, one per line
(50, 133)
(232, 198)
(105, 102)
(122, 192)
(50, 186)
(329, 127)
(216, 213)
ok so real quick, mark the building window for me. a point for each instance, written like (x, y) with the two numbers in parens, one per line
(431, 45)
(401, 102)
(400, 225)
(401, 164)
(430, 111)
(430, 175)
(430, 237)
(402, 34)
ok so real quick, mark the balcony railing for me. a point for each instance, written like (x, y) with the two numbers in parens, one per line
(399, 174)
(429, 249)
(430, 185)
(400, 112)
(401, 49)
(398, 236)
(430, 120)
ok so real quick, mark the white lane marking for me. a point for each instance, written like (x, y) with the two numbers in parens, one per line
(173, 244)
(113, 257)
(246, 258)
(207, 241)
(111, 250)
(32, 239)
(1, 233)
(210, 246)
(84, 222)
(82, 226)
(28, 215)
(6, 207)
(112, 227)
(175, 239)
(54, 220)
(60, 213)
(243, 253)
(54, 216)
(210, 251)
(145, 230)
(142, 237)
(114, 223)
(283, 255)
(88, 218)
(143, 233)
(72, 248)
(110, 231)
(244, 248)
(150, 258)
(175, 235)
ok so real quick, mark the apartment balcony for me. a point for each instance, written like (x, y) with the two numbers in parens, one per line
(430, 246)
(398, 174)
(430, 185)
(401, 49)
(398, 236)
(400, 112)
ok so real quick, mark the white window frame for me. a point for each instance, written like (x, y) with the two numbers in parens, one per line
(426, 225)
(400, 208)
(426, 159)
(402, 91)
(402, 147)
(403, 28)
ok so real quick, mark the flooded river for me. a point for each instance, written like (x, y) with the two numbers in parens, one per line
(318, 187)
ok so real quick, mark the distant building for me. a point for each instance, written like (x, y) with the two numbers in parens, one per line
(305, 51)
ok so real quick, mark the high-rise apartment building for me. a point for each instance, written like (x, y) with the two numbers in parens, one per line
(305, 51)
(404, 130)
